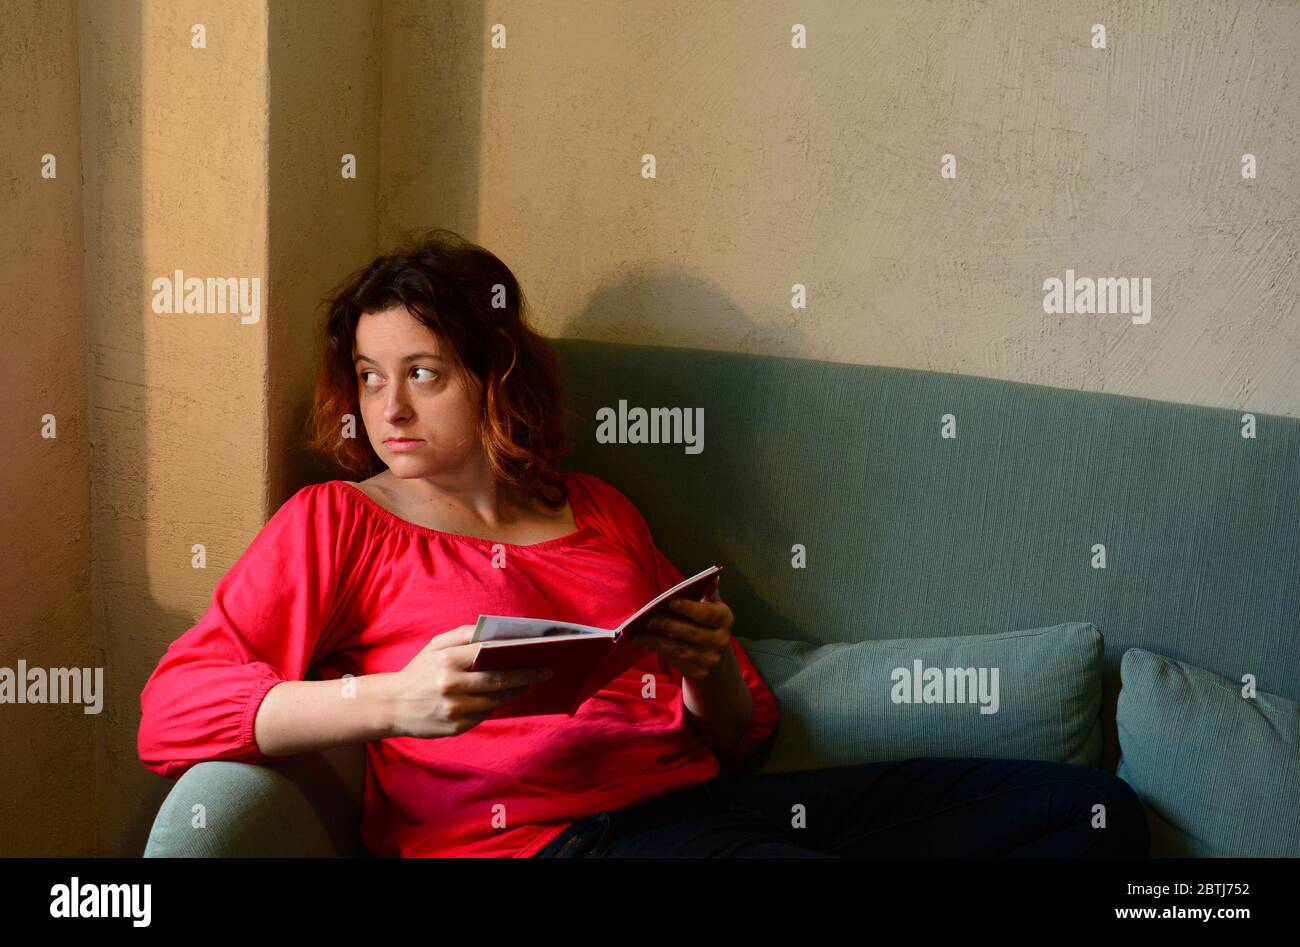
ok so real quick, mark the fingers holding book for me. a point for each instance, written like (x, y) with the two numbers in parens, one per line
(693, 637)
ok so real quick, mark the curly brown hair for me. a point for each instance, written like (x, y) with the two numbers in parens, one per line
(474, 305)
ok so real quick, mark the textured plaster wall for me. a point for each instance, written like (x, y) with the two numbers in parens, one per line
(821, 166)
(324, 72)
(175, 177)
(48, 788)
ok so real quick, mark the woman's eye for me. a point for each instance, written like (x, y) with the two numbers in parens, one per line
(431, 373)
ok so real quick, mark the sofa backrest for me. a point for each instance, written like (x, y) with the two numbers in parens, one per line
(909, 533)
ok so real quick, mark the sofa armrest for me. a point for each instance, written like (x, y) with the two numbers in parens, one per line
(307, 806)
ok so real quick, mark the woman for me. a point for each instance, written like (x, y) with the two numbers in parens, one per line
(435, 387)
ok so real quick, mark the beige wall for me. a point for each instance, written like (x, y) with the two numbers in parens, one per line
(47, 792)
(821, 166)
(775, 166)
(175, 176)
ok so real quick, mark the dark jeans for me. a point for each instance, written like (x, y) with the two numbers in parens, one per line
(927, 806)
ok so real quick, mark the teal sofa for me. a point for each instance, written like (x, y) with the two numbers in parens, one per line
(1114, 535)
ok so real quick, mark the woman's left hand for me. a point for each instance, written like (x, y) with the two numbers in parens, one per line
(694, 636)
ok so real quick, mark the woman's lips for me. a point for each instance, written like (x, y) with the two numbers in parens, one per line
(402, 445)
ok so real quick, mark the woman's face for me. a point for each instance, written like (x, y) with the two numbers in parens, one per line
(408, 386)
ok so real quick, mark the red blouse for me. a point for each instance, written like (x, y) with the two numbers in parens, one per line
(335, 584)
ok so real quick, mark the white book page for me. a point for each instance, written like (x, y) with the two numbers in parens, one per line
(665, 596)
(503, 628)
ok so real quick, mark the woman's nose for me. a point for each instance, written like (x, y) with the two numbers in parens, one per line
(395, 406)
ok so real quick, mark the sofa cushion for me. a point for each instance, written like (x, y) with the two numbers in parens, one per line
(1219, 773)
(856, 702)
(302, 806)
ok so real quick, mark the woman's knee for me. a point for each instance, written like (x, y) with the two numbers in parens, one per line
(1116, 814)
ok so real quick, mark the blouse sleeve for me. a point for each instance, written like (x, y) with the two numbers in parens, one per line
(265, 625)
(623, 516)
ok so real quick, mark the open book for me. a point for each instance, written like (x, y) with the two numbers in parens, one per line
(583, 658)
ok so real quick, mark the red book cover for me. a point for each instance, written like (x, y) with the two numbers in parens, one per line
(583, 658)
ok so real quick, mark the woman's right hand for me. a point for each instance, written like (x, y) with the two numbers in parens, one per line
(436, 695)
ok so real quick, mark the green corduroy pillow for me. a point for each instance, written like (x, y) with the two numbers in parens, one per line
(1219, 773)
(838, 703)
